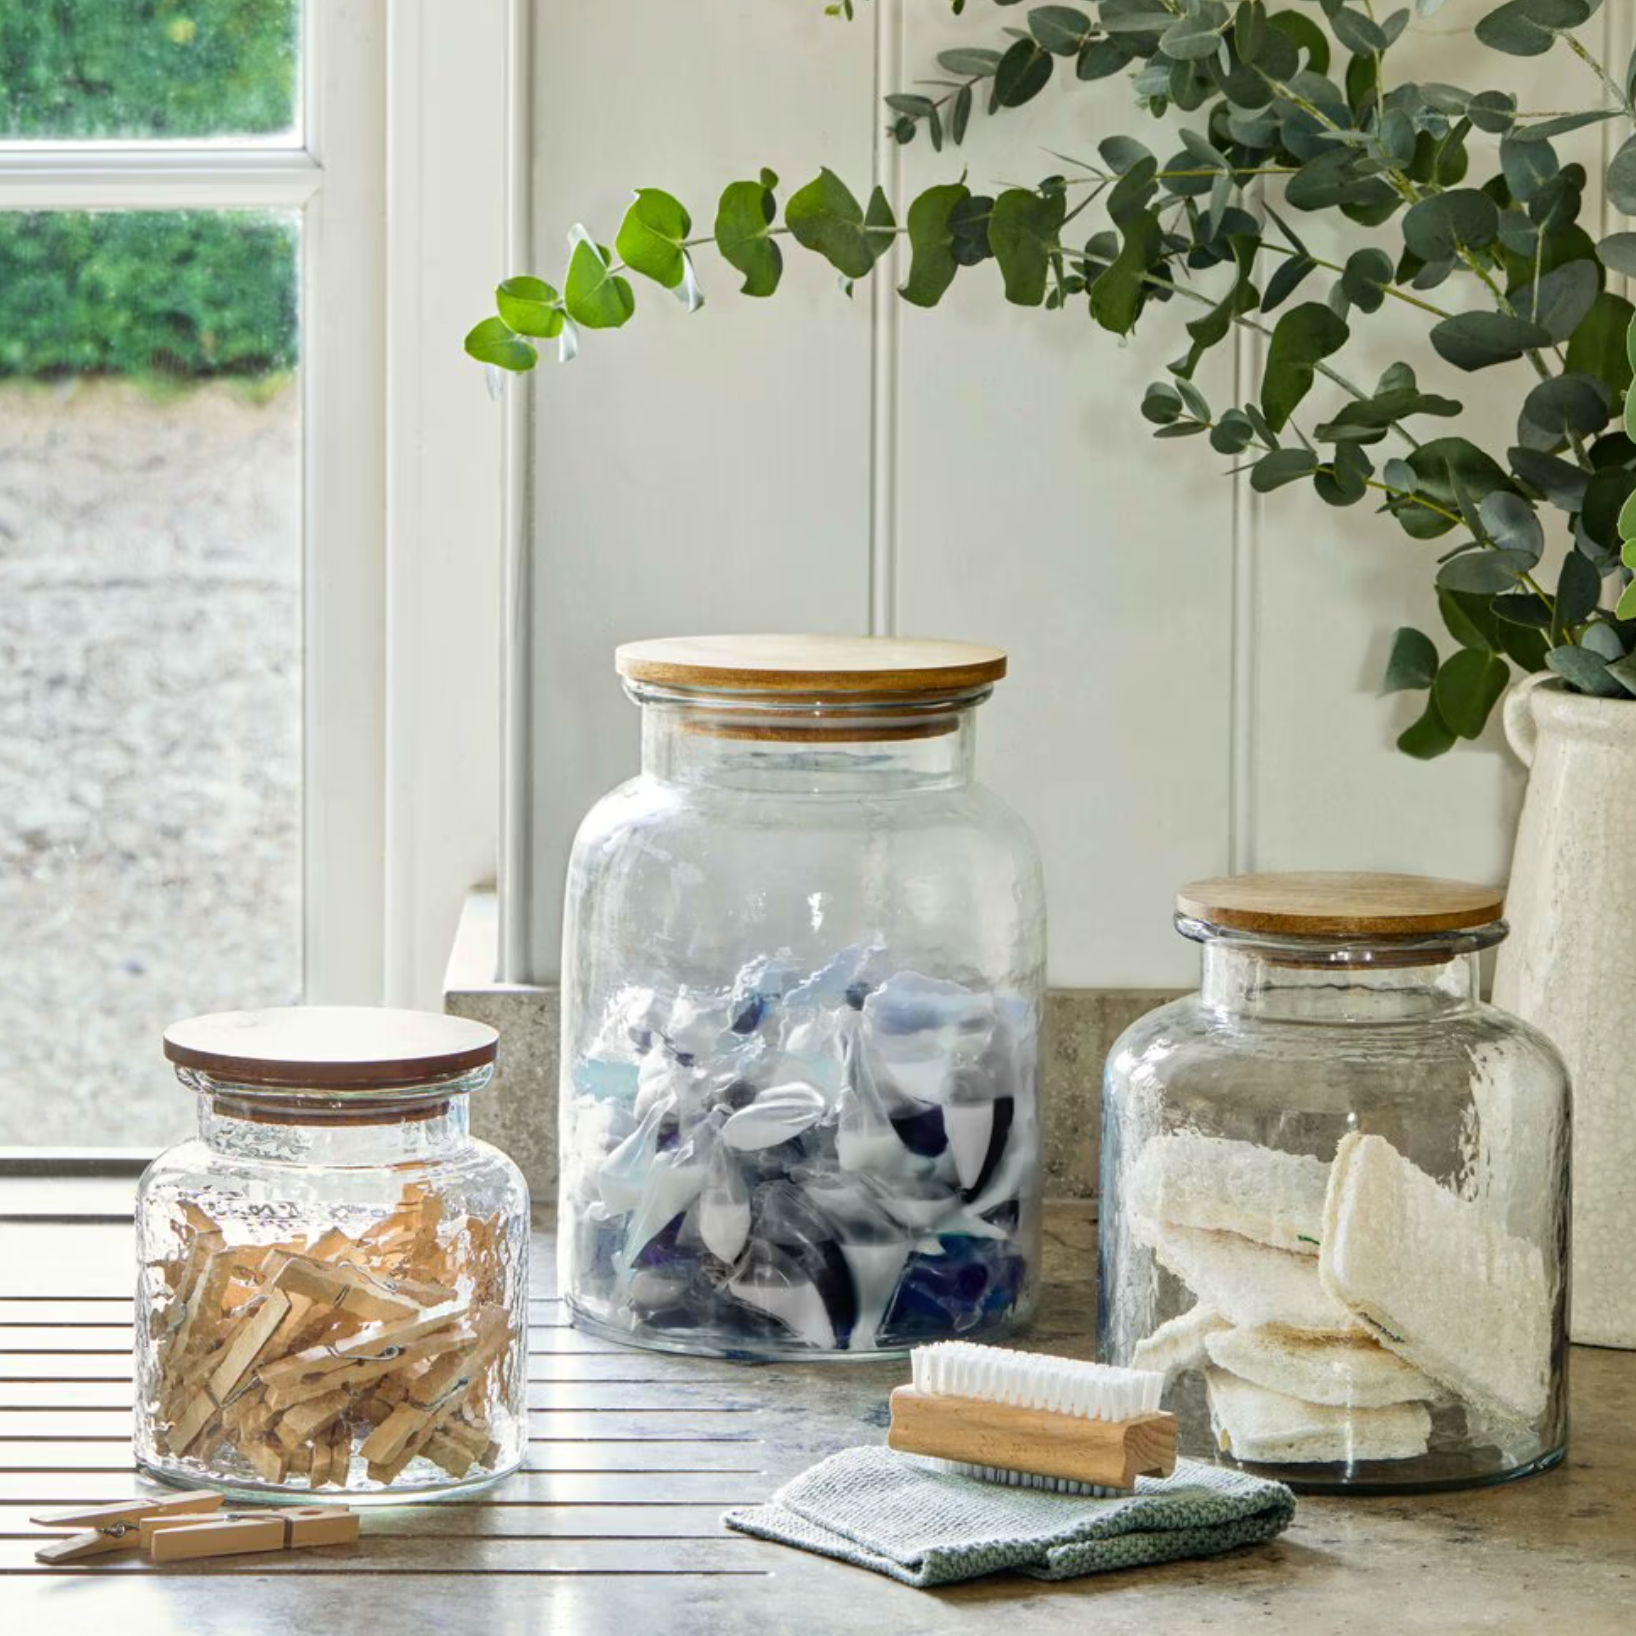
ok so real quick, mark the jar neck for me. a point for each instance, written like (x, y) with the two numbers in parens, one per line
(810, 746)
(1354, 984)
(338, 1131)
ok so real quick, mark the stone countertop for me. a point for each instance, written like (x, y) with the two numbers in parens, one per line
(613, 1527)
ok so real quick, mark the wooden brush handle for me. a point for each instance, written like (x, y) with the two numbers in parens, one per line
(1113, 1453)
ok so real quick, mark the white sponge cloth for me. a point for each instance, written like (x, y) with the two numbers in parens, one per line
(1438, 1281)
(1252, 1423)
(1345, 1371)
(1236, 1187)
(1178, 1345)
(1248, 1284)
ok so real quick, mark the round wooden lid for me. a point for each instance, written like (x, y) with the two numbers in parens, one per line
(1325, 904)
(895, 666)
(331, 1048)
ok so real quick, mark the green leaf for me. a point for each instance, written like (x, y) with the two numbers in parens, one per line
(1560, 301)
(1360, 34)
(1528, 164)
(1438, 227)
(961, 117)
(1563, 484)
(1606, 497)
(1523, 608)
(1024, 72)
(1304, 35)
(1022, 233)
(595, 297)
(969, 62)
(1578, 589)
(1484, 572)
(1437, 467)
(743, 217)
(1598, 345)
(1060, 29)
(1288, 278)
(1195, 34)
(1429, 737)
(1162, 404)
(492, 342)
(931, 241)
(1622, 178)
(650, 237)
(1475, 340)
(1493, 112)
(1367, 277)
(1412, 664)
(1470, 620)
(825, 217)
(1119, 291)
(1346, 480)
(529, 306)
(1565, 403)
(1627, 610)
(1102, 59)
(1467, 688)
(1584, 671)
(1623, 671)
(1273, 471)
(1524, 28)
(1618, 253)
(1511, 524)
(1304, 336)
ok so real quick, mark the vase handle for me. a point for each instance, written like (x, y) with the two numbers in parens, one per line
(1517, 715)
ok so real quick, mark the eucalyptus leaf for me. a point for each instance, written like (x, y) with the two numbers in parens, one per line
(1273, 471)
(1060, 29)
(529, 306)
(595, 296)
(743, 217)
(1440, 226)
(1467, 688)
(1526, 28)
(968, 61)
(1304, 336)
(1475, 340)
(1412, 663)
(1119, 291)
(1563, 484)
(650, 237)
(1578, 589)
(1618, 253)
(1194, 34)
(1024, 71)
(1584, 670)
(494, 342)
(825, 217)
(1022, 233)
(932, 264)
(1563, 405)
(1484, 572)
(1511, 524)
(1598, 347)
(1429, 737)
(1560, 301)
(1622, 178)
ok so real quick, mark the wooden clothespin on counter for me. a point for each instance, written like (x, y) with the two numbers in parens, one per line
(118, 1527)
(237, 1533)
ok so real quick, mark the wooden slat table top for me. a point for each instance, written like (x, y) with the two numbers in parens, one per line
(614, 1524)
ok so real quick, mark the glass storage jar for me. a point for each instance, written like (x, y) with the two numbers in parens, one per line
(802, 970)
(333, 1274)
(1335, 1192)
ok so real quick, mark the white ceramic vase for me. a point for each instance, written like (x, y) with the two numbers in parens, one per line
(1569, 967)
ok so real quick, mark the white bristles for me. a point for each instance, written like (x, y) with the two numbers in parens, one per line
(1089, 1391)
(1027, 1479)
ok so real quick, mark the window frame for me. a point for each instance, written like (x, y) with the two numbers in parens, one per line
(404, 172)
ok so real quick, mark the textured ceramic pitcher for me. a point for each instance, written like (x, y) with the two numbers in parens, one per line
(1570, 967)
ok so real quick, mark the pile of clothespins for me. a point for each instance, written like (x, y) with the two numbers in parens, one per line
(183, 1527)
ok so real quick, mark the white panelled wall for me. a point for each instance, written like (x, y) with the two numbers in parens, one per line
(1194, 671)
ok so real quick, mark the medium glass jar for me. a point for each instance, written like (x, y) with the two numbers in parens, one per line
(333, 1274)
(1335, 1192)
(802, 970)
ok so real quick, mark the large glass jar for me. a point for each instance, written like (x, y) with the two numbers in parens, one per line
(802, 976)
(333, 1274)
(1335, 1192)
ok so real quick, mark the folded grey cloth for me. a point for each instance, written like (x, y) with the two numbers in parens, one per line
(925, 1525)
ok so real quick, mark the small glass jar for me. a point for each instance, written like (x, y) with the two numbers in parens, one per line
(1335, 1192)
(333, 1274)
(802, 971)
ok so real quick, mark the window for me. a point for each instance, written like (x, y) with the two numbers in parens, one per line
(192, 601)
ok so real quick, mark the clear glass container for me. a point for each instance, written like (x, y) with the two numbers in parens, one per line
(333, 1274)
(803, 966)
(1335, 1193)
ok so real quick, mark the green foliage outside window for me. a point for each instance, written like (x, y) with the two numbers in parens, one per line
(146, 68)
(184, 293)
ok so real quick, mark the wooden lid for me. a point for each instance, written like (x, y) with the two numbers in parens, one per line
(1323, 904)
(331, 1048)
(888, 666)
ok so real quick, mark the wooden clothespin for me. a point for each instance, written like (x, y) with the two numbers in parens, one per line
(117, 1527)
(235, 1533)
(352, 1289)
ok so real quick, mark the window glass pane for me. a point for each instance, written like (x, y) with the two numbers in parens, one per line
(148, 69)
(150, 654)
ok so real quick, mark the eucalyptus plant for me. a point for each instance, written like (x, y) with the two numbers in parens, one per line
(1294, 114)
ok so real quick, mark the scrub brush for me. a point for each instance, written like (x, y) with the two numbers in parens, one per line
(1033, 1421)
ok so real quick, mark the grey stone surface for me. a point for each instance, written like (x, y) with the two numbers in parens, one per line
(150, 740)
(518, 1112)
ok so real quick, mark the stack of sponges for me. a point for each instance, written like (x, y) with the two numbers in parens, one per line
(1337, 1302)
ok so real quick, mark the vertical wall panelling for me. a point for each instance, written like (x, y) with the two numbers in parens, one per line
(884, 362)
(704, 472)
